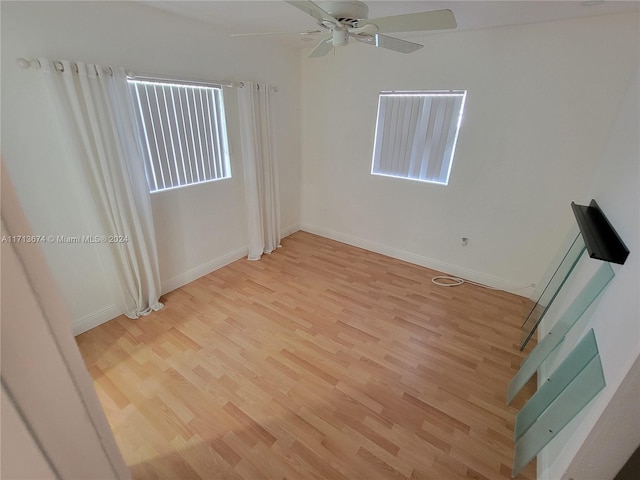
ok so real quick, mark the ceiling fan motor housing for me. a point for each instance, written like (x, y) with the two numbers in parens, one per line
(348, 12)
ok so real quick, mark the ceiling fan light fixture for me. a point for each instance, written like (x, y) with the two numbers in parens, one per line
(340, 37)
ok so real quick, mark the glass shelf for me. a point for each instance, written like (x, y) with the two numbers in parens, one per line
(552, 289)
(556, 335)
(562, 408)
(555, 384)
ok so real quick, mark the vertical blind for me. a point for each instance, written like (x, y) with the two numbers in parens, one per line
(416, 134)
(185, 133)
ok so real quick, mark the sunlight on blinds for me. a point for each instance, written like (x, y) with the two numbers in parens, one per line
(184, 133)
(416, 135)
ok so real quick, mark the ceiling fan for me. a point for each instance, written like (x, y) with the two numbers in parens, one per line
(348, 19)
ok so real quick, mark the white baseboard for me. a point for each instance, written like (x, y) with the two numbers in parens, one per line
(290, 230)
(423, 261)
(98, 318)
(206, 268)
(202, 270)
(178, 281)
(87, 323)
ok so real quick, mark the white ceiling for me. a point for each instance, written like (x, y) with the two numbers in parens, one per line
(250, 16)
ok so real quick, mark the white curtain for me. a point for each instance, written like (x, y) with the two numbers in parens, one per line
(260, 168)
(98, 123)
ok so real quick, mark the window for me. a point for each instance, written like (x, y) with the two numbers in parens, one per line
(416, 134)
(184, 130)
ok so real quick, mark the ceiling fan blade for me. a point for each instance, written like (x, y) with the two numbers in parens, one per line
(311, 32)
(324, 47)
(310, 8)
(390, 43)
(413, 22)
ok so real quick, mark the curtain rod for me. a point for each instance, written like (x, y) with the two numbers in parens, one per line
(190, 81)
(149, 77)
(423, 92)
(35, 63)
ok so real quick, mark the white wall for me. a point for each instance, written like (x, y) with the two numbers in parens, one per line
(198, 228)
(589, 447)
(541, 101)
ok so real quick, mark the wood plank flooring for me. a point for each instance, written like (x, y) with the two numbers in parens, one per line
(321, 361)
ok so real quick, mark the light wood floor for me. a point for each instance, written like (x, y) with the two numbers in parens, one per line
(321, 361)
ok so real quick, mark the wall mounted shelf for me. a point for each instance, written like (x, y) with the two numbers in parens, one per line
(601, 239)
(579, 378)
(552, 289)
(548, 344)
